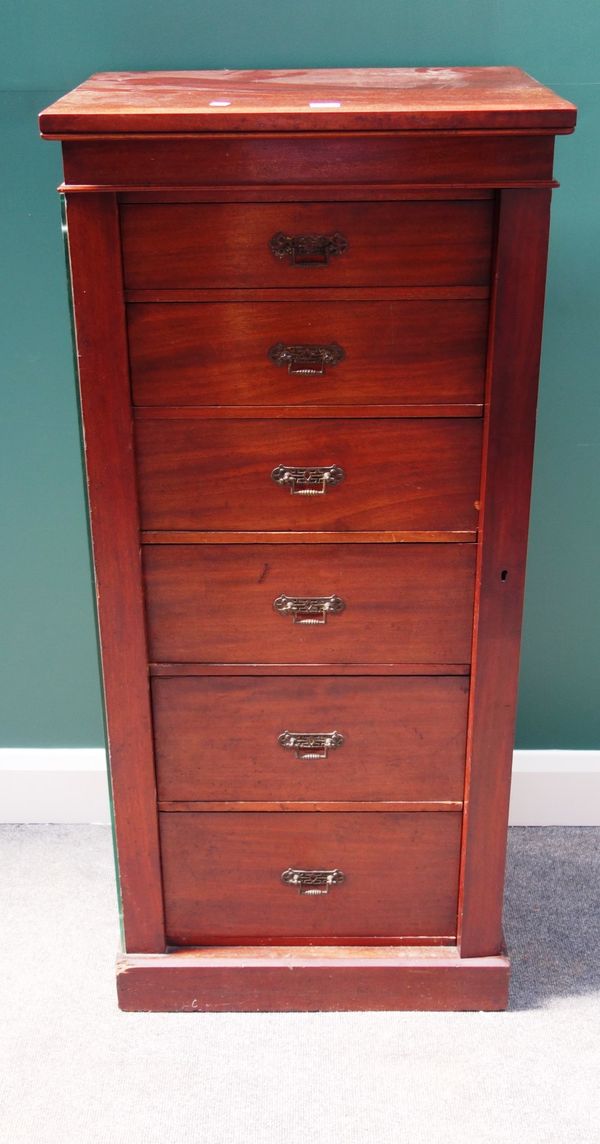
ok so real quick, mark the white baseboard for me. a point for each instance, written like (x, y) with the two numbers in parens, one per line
(53, 785)
(555, 788)
(549, 788)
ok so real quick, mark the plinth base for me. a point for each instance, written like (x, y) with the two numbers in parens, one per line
(310, 979)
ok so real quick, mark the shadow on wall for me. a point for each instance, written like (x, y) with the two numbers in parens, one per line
(552, 913)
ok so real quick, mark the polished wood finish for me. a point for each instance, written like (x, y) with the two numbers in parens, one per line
(398, 536)
(300, 669)
(197, 245)
(104, 393)
(313, 979)
(398, 475)
(439, 181)
(413, 98)
(308, 807)
(222, 876)
(397, 352)
(297, 193)
(293, 412)
(424, 160)
(403, 738)
(514, 364)
(411, 603)
(317, 294)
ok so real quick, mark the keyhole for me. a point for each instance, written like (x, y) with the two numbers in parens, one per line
(504, 574)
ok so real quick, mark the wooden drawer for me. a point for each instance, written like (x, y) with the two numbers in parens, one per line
(404, 603)
(395, 352)
(195, 245)
(220, 739)
(393, 474)
(222, 875)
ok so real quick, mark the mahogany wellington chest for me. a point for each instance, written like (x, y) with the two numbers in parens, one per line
(308, 309)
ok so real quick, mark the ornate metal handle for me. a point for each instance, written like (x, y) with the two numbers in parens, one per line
(313, 881)
(307, 249)
(307, 359)
(311, 744)
(309, 609)
(309, 481)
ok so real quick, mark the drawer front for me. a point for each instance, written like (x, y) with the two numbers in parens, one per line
(270, 475)
(394, 352)
(196, 245)
(267, 739)
(402, 603)
(222, 875)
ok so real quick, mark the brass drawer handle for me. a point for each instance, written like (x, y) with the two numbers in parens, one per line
(311, 744)
(309, 609)
(306, 359)
(313, 480)
(313, 881)
(307, 249)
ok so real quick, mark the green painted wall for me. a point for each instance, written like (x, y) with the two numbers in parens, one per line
(49, 691)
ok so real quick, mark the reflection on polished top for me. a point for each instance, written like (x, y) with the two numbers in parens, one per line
(497, 98)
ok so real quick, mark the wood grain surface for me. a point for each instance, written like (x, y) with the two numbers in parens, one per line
(421, 161)
(216, 353)
(214, 603)
(222, 875)
(398, 475)
(300, 669)
(514, 365)
(218, 738)
(330, 978)
(439, 180)
(187, 245)
(339, 807)
(93, 233)
(335, 99)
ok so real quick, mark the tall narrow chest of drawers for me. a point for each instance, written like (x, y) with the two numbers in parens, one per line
(308, 309)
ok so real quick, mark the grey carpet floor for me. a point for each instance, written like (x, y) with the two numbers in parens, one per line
(75, 1069)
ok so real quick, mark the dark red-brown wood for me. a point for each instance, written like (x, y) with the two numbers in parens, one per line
(395, 352)
(195, 245)
(300, 669)
(405, 602)
(514, 365)
(296, 193)
(291, 412)
(398, 475)
(222, 876)
(415, 167)
(403, 738)
(337, 99)
(307, 193)
(104, 386)
(313, 979)
(392, 805)
(398, 536)
(422, 161)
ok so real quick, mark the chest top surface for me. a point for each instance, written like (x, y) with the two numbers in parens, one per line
(345, 99)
